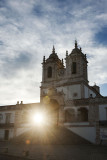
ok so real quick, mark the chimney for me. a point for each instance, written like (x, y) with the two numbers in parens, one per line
(21, 102)
(17, 102)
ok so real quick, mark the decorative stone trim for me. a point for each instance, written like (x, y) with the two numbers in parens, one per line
(87, 101)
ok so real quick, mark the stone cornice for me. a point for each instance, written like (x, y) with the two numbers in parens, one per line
(65, 84)
(20, 107)
(87, 101)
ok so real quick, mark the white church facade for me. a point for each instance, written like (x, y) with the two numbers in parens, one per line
(66, 96)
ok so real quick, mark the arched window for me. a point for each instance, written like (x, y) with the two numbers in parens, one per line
(82, 115)
(74, 68)
(49, 72)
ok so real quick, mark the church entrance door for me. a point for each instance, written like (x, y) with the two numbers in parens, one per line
(54, 111)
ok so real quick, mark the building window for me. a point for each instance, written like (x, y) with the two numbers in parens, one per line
(6, 135)
(82, 115)
(74, 67)
(49, 72)
(75, 94)
(8, 115)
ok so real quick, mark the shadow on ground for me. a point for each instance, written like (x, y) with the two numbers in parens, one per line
(50, 135)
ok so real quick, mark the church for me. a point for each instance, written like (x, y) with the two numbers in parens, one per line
(67, 99)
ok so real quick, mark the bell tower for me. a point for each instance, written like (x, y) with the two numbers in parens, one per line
(76, 65)
(50, 67)
(72, 79)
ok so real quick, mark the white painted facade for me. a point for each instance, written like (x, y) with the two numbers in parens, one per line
(88, 92)
(69, 91)
(3, 115)
(88, 133)
(22, 130)
(2, 133)
(7, 119)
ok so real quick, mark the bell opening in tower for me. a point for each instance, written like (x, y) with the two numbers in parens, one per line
(74, 68)
(49, 72)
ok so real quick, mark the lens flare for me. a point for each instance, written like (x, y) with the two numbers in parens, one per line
(38, 118)
(27, 141)
(46, 100)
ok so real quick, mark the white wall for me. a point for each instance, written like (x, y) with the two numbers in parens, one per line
(70, 90)
(64, 89)
(74, 89)
(88, 92)
(103, 112)
(22, 130)
(91, 92)
(11, 133)
(88, 133)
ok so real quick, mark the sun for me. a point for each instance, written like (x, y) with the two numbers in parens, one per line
(38, 118)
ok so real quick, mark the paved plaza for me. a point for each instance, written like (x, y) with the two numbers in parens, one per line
(57, 152)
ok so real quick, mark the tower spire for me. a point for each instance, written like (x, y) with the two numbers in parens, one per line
(43, 59)
(66, 53)
(53, 50)
(76, 44)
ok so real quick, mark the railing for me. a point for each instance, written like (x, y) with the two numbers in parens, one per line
(6, 125)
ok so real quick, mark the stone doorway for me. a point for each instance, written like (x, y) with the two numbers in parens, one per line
(52, 110)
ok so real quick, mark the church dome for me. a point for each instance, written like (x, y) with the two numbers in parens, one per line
(76, 49)
(53, 56)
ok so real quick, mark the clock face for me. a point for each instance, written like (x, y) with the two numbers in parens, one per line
(61, 72)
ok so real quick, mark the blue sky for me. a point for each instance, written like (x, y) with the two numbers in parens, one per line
(28, 30)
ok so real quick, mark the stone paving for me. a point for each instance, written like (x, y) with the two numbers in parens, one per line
(58, 152)
(7, 157)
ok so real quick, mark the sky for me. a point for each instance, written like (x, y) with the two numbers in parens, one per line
(29, 29)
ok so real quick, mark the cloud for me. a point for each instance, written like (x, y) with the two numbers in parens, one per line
(28, 30)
